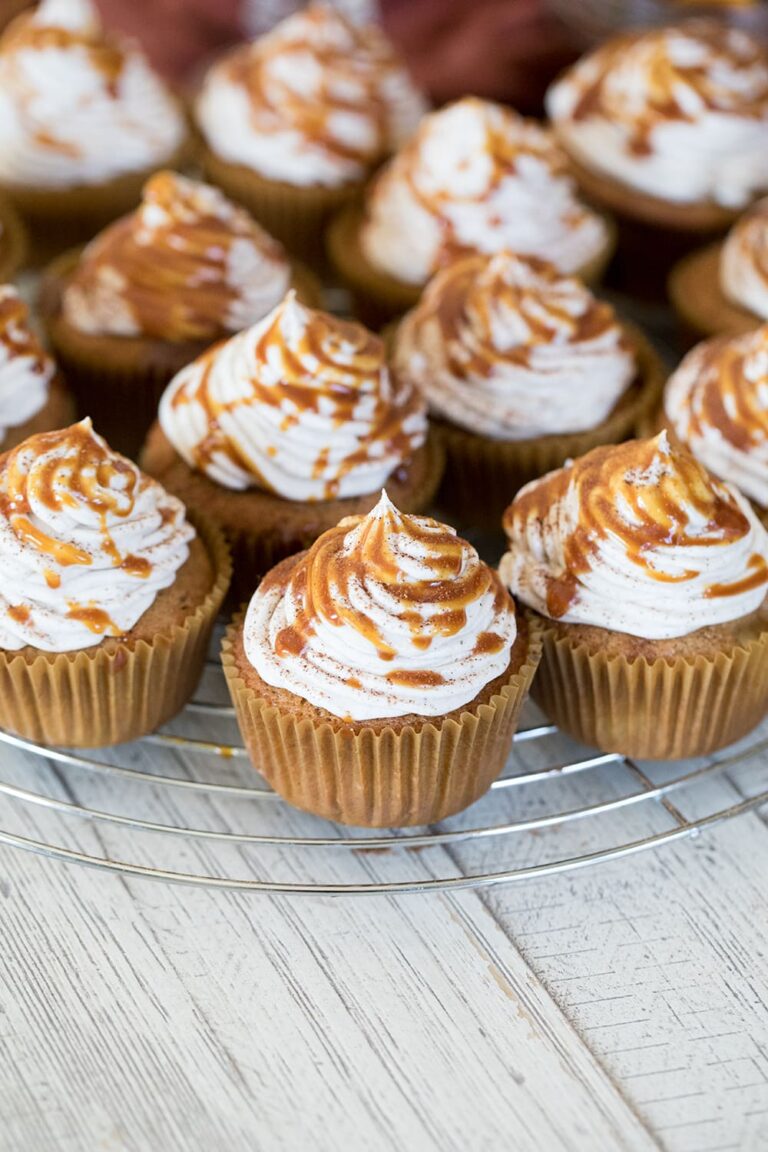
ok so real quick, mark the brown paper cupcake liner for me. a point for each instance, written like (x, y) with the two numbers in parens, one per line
(295, 214)
(118, 380)
(378, 297)
(399, 776)
(660, 709)
(482, 475)
(114, 692)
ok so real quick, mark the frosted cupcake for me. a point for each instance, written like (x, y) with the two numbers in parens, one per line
(83, 121)
(722, 290)
(648, 577)
(475, 177)
(522, 368)
(287, 427)
(153, 291)
(717, 404)
(378, 677)
(33, 397)
(294, 122)
(107, 593)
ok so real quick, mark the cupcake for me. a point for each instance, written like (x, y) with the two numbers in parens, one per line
(716, 403)
(722, 290)
(107, 593)
(154, 290)
(287, 427)
(33, 397)
(377, 678)
(83, 121)
(14, 242)
(648, 577)
(475, 177)
(668, 129)
(522, 367)
(294, 122)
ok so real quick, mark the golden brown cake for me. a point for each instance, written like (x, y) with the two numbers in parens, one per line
(315, 426)
(351, 715)
(648, 578)
(108, 593)
(152, 292)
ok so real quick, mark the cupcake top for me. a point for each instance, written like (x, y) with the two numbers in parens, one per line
(188, 264)
(86, 541)
(636, 538)
(78, 107)
(679, 113)
(26, 371)
(477, 177)
(717, 404)
(744, 261)
(319, 100)
(508, 348)
(385, 615)
(301, 405)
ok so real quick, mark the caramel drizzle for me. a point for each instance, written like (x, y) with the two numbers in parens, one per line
(466, 297)
(750, 233)
(344, 359)
(322, 580)
(368, 60)
(665, 79)
(174, 276)
(728, 396)
(17, 337)
(611, 478)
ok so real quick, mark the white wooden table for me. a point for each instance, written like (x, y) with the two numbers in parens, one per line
(620, 1007)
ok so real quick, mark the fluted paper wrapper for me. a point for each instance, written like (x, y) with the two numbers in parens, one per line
(378, 297)
(386, 777)
(658, 710)
(295, 214)
(483, 475)
(119, 381)
(99, 696)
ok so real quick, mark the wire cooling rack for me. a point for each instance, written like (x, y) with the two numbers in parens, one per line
(184, 806)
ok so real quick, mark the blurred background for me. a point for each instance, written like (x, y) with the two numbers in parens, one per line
(501, 49)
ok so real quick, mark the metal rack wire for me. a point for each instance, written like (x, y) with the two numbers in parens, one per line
(63, 786)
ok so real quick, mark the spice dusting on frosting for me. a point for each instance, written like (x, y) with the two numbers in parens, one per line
(385, 615)
(302, 404)
(86, 541)
(509, 348)
(638, 538)
(188, 264)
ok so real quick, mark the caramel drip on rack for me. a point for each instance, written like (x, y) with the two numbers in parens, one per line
(174, 275)
(666, 79)
(365, 64)
(656, 491)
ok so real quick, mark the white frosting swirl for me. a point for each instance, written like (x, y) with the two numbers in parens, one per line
(679, 113)
(318, 100)
(302, 404)
(636, 538)
(26, 370)
(744, 261)
(386, 615)
(77, 107)
(86, 542)
(717, 403)
(477, 177)
(188, 264)
(509, 349)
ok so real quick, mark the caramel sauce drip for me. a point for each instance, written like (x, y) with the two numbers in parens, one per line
(730, 391)
(473, 290)
(17, 336)
(327, 371)
(95, 619)
(105, 53)
(20, 613)
(323, 578)
(656, 489)
(365, 65)
(666, 79)
(173, 273)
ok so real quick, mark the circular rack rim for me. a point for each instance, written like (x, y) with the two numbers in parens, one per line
(646, 792)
